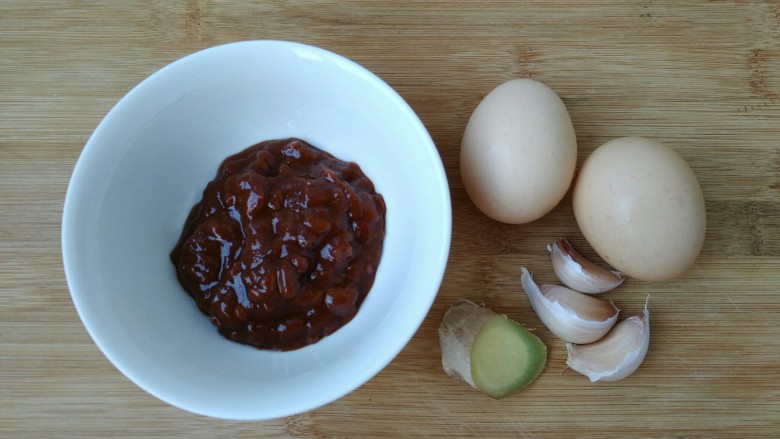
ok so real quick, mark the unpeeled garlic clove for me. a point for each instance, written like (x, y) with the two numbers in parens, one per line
(580, 274)
(573, 316)
(617, 355)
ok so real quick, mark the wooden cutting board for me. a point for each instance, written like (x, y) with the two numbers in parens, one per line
(700, 76)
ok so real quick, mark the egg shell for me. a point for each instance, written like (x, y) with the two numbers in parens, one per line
(640, 206)
(519, 152)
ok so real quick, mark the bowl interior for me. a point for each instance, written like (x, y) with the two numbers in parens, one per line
(146, 165)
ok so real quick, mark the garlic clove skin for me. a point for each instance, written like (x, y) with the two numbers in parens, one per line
(617, 355)
(572, 316)
(578, 273)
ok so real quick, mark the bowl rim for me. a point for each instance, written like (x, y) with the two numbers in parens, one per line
(68, 212)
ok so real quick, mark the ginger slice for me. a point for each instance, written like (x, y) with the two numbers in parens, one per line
(489, 351)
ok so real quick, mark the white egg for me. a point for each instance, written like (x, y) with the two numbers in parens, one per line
(639, 205)
(519, 152)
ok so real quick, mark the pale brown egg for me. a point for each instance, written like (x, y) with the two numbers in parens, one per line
(519, 152)
(640, 206)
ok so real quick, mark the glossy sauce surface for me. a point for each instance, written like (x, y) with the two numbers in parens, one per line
(284, 246)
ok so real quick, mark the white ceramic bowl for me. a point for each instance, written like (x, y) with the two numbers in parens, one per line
(147, 163)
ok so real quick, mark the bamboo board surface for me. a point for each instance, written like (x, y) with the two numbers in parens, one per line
(700, 76)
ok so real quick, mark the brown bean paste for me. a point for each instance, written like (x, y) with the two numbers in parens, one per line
(284, 246)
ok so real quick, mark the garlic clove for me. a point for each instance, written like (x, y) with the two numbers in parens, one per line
(573, 316)
(580, 274)
(617, 355)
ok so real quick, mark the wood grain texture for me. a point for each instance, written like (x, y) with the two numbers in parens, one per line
(700, 76)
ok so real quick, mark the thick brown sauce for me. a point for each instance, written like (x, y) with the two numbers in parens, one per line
(284, 246)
